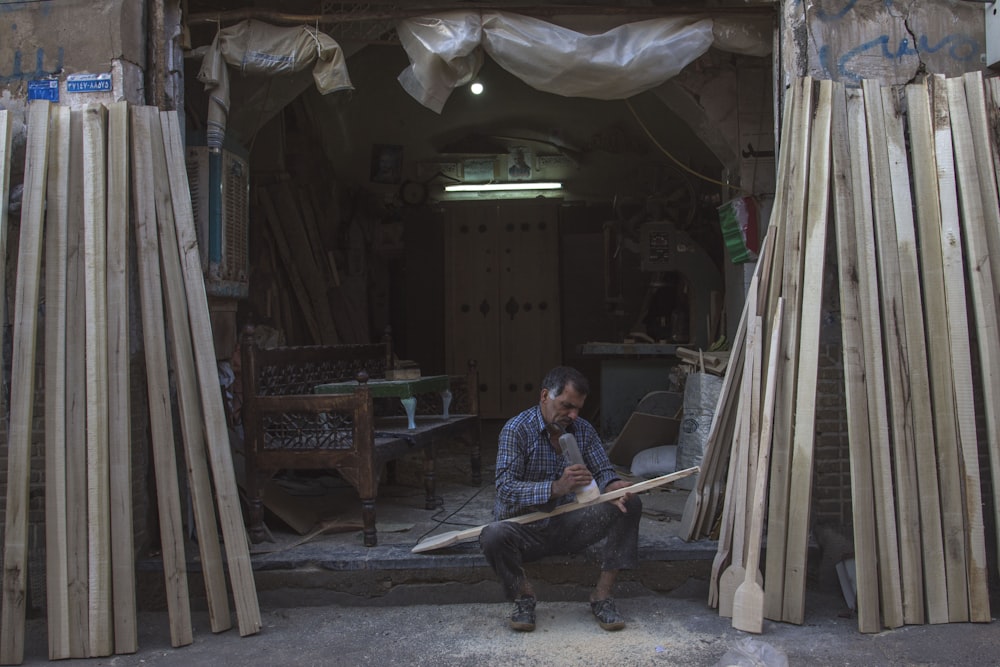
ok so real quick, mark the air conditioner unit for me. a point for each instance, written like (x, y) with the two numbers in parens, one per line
(223, 220)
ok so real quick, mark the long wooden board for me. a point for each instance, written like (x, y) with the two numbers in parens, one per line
(98, 471)
(780, 457)
(961, 359)
(455, 536)
(976, 245)
(917, 375)
(871, 326)
(810, 314)
(56, 224)
(76, 405)
(22, 388)
(216, 432)
(928, 215)
(123, 595)
(983, 249)
(158, 391)
(188, 393)
(896, 358)
(749, 601)
(859, 436)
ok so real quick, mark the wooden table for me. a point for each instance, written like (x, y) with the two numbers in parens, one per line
(405, 390)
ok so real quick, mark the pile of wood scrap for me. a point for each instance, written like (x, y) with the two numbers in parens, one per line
(902, 180)
(83, 168)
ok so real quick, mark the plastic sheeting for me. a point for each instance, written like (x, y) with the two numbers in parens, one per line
(259, 48)
(446, 51)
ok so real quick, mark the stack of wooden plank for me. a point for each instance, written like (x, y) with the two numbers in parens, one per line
(79, 165)
(902, 181)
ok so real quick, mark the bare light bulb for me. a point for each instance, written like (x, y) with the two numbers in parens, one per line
(476, 88)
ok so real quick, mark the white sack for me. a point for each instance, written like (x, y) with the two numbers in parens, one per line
(444, 52)
(263, 49)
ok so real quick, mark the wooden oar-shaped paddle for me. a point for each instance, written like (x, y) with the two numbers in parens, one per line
(748, 603)
(456, 536)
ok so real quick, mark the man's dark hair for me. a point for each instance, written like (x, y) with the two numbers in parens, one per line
(557, 379)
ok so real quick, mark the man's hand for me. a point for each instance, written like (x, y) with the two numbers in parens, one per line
(619, 502)
(573, 477)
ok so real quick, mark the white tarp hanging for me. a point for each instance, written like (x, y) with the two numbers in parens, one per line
(446, 51)
(263, 49)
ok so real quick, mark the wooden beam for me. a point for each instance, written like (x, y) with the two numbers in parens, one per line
(216, 431)
(780, 458)
(810, 314)
(76, 405)
(192, 419)
(928, 216)
(56, 223)
(871, 328)
(98, 472)
(916, 375)
(980, 278)
(748, 604)
(961, 358)
(22, 387)
(982, 241)
(123, 596)
(894, 324)
(858, 434)
(158, 390)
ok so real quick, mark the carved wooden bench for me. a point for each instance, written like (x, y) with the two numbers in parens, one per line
(287, 426)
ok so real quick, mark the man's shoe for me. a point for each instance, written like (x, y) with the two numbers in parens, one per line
(523, 618)
(607, 614)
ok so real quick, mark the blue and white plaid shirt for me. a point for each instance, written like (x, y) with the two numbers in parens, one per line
(527, 464)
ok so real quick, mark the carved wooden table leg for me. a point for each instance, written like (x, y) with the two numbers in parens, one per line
(368, 520)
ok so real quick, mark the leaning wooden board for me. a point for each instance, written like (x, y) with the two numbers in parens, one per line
(870, 320)
(928, 216)
(807, 373)
(961, 358)
(456, 536)
(917, 375)
(859, 435)
(22, 394)
(220, 456)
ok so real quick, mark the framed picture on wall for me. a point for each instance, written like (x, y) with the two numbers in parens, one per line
(387, 164)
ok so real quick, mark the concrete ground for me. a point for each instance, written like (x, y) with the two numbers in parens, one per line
(327, 600)
(675, 628)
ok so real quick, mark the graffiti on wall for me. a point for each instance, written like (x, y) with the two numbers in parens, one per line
(43, 65)
(844, 65)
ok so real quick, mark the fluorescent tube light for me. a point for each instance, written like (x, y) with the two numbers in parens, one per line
(487, 187)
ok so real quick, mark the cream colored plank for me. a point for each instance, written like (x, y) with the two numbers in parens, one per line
(979, 276)
(871, 326)
(917, 375)
(894, 324)
(22, 387)
(96, 329)
(160, 418)
(123, 596)
(982, 240)
(217, 435)
(748, 604)
(810, 314)
(928, 210)
(961, 358)
(76, 404)
(859, 436)
(56, 223)
(192, 419)
(780, 457)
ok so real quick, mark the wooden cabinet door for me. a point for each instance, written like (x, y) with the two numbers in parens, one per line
(502, 298)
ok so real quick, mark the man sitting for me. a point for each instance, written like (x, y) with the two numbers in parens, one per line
(533, 474)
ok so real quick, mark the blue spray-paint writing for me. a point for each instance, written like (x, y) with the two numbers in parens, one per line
(823, 15)
(960, 48)
(17, 70)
